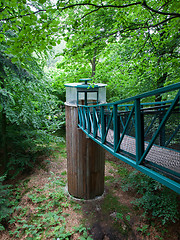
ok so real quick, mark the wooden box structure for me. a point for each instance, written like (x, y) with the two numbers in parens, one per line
(85, 158)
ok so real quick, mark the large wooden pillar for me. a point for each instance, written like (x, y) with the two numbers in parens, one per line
(85, 160)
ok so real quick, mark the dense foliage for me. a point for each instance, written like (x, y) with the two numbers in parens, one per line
(29, 112)
(157, 201)
(131, 46)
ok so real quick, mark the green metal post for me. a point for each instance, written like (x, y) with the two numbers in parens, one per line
(139, 131)
(81, 116)
(115, 124)
(84, 118)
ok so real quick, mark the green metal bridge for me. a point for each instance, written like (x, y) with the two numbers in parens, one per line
(144, 134)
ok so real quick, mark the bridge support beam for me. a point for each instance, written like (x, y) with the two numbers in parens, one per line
(85, 160)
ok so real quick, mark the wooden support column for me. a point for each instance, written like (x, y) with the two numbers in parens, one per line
(85, 160)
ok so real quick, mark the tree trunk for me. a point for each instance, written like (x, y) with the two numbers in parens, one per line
(4, 159)
(4, 140)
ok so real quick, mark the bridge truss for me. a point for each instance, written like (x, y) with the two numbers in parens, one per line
(143, 133)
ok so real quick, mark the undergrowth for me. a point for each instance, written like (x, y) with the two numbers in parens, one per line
(5, 203)
(157, 201)
(42, 216)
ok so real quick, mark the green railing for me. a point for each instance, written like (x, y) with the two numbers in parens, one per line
(143, 134)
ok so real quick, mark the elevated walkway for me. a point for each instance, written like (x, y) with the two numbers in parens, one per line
(144, 134)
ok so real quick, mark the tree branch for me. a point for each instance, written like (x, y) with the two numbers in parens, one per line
(130, 28)
(144, 44)
(100, 6)
(90, 13)
(2, 9)
(144, 4)
(28, 14)
(160, 23)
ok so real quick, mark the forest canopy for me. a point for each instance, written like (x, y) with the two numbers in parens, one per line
(133, 46)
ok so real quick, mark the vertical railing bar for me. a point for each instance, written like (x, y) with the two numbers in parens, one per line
(79, 116)
(86, 119)
(115, 126)
(82, 116)
(84, 122)
(138, 131)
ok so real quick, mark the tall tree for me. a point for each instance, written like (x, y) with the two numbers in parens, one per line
(151, 30)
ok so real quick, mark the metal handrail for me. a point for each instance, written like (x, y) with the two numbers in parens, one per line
(97, 128)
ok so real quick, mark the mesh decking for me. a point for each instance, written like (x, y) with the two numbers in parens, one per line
(161, 156)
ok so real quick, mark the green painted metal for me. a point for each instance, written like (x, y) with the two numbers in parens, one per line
(96, 121)
(139, 131)
(159, 128)
(166, 170)
(169, 88)
(156, 103)
(158, 177)
(84, 118)
(115, 124)
(79, 117)
(85, 80)
(172, 136)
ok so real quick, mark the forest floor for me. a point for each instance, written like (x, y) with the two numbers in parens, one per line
(46, 211)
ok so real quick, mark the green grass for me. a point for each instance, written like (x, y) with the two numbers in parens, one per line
(111, 203)
(59, 152)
